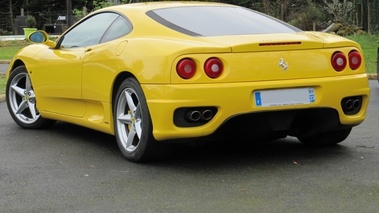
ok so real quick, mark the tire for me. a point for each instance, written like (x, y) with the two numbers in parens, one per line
(133, 126)
(328, 138)
(21, 101)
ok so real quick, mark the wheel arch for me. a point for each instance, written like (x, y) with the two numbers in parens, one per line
(16, 64)
(116, 84)
(23, 98)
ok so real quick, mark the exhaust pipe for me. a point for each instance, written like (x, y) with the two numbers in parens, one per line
(207, 115)
(193, 115)
(356, 103)
(351, 105)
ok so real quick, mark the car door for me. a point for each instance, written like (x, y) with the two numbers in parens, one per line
(58, 76)
(100, 64)
(62, 67)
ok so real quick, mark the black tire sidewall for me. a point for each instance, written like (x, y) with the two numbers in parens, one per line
(142, 150)
(40, 122)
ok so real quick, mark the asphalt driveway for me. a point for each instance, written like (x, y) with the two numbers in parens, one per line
(67, 168)
(3, 68)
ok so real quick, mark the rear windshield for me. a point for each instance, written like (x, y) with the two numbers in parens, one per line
(218, 21)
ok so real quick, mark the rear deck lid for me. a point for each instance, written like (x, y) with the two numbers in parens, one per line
(269, 42)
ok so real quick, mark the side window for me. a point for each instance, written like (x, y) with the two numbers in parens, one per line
(120, 27)
(89, 32)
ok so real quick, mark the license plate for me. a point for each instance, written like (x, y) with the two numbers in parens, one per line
(284, 97)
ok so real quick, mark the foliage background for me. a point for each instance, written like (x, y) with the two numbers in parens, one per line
(305, 14)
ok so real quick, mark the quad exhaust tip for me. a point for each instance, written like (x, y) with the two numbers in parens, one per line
(194, 116)
(351, 105)
(199, 115)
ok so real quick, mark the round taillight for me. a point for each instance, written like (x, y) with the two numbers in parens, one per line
(355, 60)
(213, 67)
(186, 68)
(339, 61)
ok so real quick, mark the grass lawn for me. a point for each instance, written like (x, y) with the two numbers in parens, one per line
(9, 48)
(369, 44)
(2, 84)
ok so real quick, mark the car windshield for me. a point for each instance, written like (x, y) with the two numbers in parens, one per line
(218, 21)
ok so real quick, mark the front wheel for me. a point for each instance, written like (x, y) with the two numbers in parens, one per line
(133, 126)
(21, 100)
(328, 138)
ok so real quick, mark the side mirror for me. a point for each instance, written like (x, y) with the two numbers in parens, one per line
(37, 37)
(41, 37)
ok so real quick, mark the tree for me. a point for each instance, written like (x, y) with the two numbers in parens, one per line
(8, 7)
(341, 11)
(11, 13)
(364, 13)
(367, 15)
(267, 7)
(307, 16)
(284, 9)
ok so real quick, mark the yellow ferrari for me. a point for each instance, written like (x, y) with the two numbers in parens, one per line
(149, 73)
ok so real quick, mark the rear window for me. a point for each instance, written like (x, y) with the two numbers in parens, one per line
(218, 21)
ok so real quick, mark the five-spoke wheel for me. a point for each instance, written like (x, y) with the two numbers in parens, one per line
(21, 100)
(132, 122)
(129, 119)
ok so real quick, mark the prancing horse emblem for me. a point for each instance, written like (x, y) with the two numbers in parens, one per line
(283, 64)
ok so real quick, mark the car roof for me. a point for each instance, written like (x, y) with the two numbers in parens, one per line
(136, 13)
(147, 6)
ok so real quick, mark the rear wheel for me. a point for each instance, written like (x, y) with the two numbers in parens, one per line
(21, 100)
(133, 126)
(328, 138)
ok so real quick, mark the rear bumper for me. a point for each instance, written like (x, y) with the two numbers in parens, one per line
(233, 99)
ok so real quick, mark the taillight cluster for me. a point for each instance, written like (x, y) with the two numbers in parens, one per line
(186, 68)
(339, 60)
(355, 60)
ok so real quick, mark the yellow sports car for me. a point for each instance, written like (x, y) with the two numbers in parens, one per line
(149, 73)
